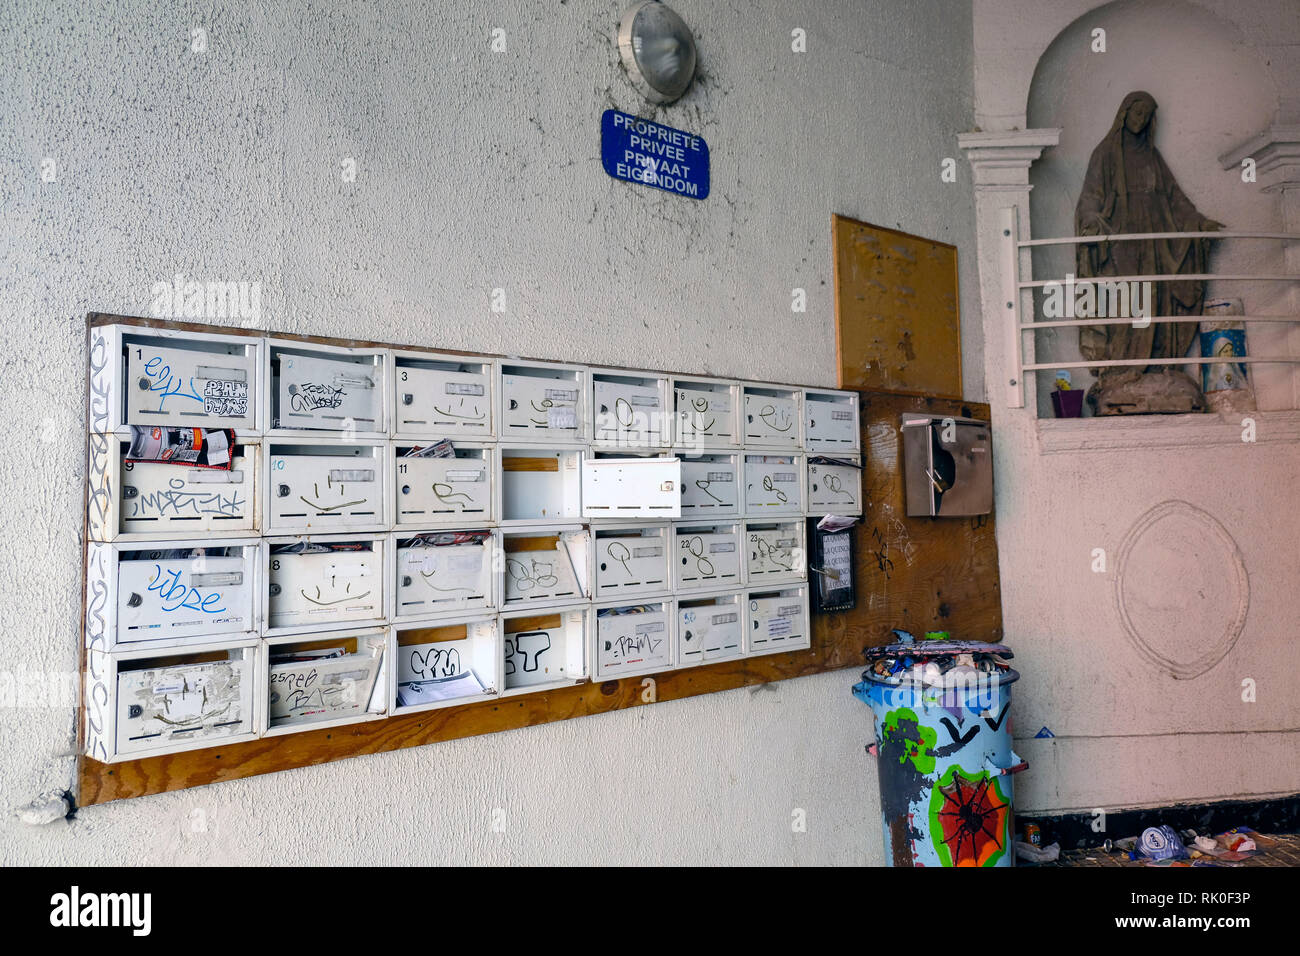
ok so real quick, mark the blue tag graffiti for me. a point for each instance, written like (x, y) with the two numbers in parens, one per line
(639, 151)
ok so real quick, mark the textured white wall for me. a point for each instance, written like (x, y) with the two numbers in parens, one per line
(475, 171)
(1127, 732)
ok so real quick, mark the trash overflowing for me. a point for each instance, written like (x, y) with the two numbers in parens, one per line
(936, 662)
(1157, 846)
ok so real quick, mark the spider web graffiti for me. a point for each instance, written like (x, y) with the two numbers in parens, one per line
(968, 819)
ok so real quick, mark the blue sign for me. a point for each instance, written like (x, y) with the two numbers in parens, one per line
(640, 151)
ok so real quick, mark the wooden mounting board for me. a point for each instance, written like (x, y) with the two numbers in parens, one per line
(897, 317)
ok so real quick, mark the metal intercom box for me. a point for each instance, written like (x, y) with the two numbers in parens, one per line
(947, 466)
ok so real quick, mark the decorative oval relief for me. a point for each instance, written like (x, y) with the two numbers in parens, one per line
(1181, 589)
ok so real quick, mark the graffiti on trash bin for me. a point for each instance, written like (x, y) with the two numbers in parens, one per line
(968, 818)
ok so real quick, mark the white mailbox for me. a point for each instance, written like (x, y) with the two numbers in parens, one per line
(778, 621)
(707, 557)
(541, 401)
(830, 421)
(835, 485)
(711, 485)
(629, 410)
(141, 704)
(173, 378)
(324, 681)
(775, 552)
(445, 572)
(773, 485)
(162, 501)
(443, 396)
(706, 413)
(430, 492)
(622, 488)
(632, 639)
(318, 389)
(157, 592)
(545, 566)
(324, 488)
(323, 582)
(632, 560)
(544, 649)
(438, 664)
(771, 416)
(710, 628)
(539, 484)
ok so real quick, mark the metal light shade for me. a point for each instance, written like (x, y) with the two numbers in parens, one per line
(658, 51)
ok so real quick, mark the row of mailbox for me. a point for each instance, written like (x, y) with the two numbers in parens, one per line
(155, 593)
(267, 386)
(224, 693)
(280, 487)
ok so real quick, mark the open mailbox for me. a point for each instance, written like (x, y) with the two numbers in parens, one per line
(450, 661)
(621, 488)
(324, 681)
(544, 648)
(947, 466)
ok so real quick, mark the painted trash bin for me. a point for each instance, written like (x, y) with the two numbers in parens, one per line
(941, 712)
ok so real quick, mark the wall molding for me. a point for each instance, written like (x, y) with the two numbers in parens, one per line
(1125, 432)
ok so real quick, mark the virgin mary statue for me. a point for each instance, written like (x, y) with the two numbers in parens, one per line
(1129, 189)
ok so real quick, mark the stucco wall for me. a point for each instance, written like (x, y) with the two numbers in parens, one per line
(1208, 516)
(474, 171)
